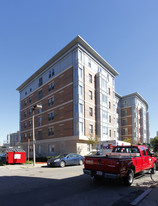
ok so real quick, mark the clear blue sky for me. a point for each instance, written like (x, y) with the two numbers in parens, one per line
(123, 32)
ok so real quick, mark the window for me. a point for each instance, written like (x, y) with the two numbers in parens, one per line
(90, 78)
(105, 130)
(124, 131)
(109, 105)
(25, 113)
(104, 115)
(80, 55)
(25, 136)
(81, 128)
(90, 111)
(30, 122)
(53, 72)
(124, 122)
(25, 102)
(110, 132)
(39, 135)
(51, 148)
(80, 72)
(89, 62)
(51, 131)
(50, 116)
(25, 93)
(39, 121)
(40, 81)
(104, 99)
(109, 91)
(39, 149)
(30, 99)
(80, 90)
(51, 86)
(143, 150)
(25, 124)
(30, 89)
(30, 110)
(90, 94)
(109, 118)
(124, 112)
(90, 128)
(30, 135)
(40, 94)
(50, 74)
(81, 108)
(51, 101)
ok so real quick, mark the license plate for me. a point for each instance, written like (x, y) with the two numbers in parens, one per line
(100, 173)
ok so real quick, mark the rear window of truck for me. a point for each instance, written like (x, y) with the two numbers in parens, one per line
(126, 149)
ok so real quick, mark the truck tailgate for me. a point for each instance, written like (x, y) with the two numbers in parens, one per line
(102, 163)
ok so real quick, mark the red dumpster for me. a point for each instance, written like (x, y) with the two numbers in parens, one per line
(15, 156)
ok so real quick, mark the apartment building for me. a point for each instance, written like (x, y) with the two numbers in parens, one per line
(133, 118)
(13, 139)
(76, 89)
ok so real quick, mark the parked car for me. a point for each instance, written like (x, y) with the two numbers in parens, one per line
(66, 159)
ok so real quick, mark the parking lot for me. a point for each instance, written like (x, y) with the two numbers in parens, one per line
(46, 186)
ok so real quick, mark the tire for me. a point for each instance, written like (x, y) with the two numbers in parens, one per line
(153, 170)
(128, 180)
(62, 164)
(81, 162)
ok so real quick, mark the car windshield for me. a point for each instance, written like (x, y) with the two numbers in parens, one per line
(61, 156)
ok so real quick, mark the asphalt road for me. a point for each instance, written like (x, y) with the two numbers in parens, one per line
(44, 186)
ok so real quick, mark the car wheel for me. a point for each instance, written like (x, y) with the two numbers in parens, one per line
(62, 164)
(128, 180)
(81, 162)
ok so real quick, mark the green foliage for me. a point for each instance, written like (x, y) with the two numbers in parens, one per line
(29, 162)
(154, 143)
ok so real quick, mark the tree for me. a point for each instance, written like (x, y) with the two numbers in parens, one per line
(154, 143)
(92, 140)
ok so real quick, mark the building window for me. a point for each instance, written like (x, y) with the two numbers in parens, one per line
(51, 148)
(80, 90)
(30, 89)
(40, 94)
(90, 94)
(81, 128)
(30, 135)
(124, 122)
(109, 118)
(25, 136)
(30, 122)
(25, 102)
(30, 99)
(50, 74)
(104, 84)
(105, 130)
(89, 62)
(39, 135)
(90, 128)
(124, 131)
(124, 112)
(25, 124)
(90, 78)
(25, 113)
(51, 86)
(50, 116)
(110, 132)
(90, 111)
(39, 149)
(81, 108)
(80, 55)
(109, 91)
(51, 101)
(104, 99)
(25, 93)
(30, 110)
(105, 115)
(53, 72)
(40, 81)
(39, 121)
(80, 72)
(51, 131)
(109, 105)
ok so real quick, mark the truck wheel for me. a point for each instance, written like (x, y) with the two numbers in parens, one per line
(128, 180)
(153, 170)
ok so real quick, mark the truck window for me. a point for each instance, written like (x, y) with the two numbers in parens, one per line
(148, 152)
(143, 150)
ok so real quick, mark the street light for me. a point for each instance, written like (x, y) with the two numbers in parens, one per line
(36, 106)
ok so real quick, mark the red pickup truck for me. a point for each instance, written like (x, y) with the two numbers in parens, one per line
(124, 162)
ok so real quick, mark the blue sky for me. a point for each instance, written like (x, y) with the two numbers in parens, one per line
(123, 32)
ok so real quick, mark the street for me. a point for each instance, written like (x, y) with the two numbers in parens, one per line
(45, 186)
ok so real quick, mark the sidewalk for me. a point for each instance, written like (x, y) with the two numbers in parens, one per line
(22, 166)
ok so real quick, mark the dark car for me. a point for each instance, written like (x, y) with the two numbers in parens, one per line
(66, 159)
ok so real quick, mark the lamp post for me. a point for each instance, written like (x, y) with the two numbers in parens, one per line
(37, 106)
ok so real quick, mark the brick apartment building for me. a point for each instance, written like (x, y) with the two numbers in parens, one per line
(76, 89)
